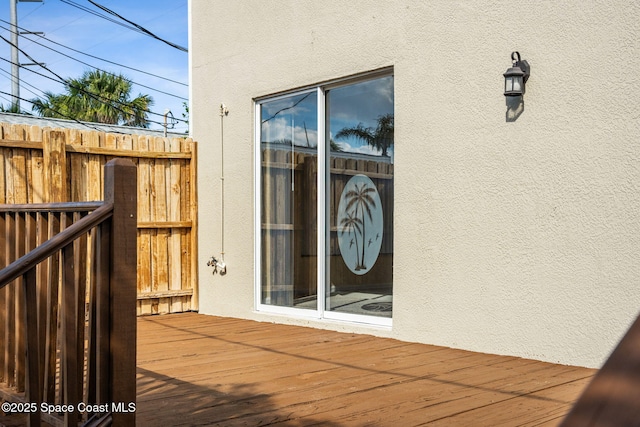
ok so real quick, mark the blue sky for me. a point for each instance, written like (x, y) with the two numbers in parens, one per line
(85, 32)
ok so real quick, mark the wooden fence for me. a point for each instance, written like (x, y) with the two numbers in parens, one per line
(41, 165)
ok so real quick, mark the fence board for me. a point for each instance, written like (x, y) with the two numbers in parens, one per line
(144, 235)
(37, 176)
(4, 152)
(191, 252)
(42, 165)
(94, 166)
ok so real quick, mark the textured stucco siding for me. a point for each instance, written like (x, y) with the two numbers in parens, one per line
(511, 237)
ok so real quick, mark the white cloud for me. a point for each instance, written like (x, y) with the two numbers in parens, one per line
(279, 129)
(359, 149)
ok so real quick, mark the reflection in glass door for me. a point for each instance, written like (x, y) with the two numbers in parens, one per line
(289, 154)
(360, 198)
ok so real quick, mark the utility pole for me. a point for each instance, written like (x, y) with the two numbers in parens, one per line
(15, 59)
(15, 67)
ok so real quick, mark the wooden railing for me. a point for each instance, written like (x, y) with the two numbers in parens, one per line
(68, 306)
(612, 398)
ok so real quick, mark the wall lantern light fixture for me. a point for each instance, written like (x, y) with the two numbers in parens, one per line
(516, 76)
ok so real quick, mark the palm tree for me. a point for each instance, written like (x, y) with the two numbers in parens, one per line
(97, 96)
(360, 199)
(185, 115)
(11, 108)
(350, 224)
(380, 138)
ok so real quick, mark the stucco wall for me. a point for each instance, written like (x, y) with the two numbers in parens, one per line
(511, 237)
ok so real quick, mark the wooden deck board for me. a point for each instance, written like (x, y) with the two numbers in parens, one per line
(204, 370)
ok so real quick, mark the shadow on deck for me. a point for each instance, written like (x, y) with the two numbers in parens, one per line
(205, 370)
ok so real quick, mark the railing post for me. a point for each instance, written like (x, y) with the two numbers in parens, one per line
(120, 188)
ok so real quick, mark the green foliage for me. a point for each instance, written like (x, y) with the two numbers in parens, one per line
(96, 97)
(11, 108)
(185, 114)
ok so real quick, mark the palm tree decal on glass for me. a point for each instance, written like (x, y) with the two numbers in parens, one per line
(360, 224)
(360, 200)
(352, 225)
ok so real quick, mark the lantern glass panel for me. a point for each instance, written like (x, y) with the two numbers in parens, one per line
(508, 84)
(517, 84)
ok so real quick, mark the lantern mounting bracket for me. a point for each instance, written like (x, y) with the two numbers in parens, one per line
(524, 65)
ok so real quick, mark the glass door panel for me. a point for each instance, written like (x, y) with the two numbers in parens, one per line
(359, 235)
(289, 155)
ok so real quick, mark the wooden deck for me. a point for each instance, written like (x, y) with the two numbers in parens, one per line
(196, 370)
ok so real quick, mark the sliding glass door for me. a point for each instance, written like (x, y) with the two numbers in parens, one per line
(325, 197)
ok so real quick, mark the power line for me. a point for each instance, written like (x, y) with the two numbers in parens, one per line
(99, 15)
(295, 104)
(132, 25)
(26, 83)
(89, 55)
(98, 98)
(104, 71)
(141, 28)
